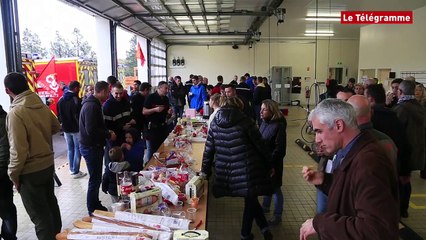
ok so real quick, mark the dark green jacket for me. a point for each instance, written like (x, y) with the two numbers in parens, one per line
(4, 143)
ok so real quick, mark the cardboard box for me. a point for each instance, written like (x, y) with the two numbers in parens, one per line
(194, 188)
(190, 112)
(142, 202)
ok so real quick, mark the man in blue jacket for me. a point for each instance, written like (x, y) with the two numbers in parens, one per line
(197, 94)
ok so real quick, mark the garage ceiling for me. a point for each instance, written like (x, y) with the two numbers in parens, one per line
(233, 21)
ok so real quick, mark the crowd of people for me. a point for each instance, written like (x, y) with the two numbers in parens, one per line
(114, 130)
(369, 142)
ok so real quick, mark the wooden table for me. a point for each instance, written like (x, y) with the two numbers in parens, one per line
(201, 215)
(197, 155)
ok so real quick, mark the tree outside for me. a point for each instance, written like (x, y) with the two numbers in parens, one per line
(130, 62)
(79, 46)
(31, 43)
(60, 47)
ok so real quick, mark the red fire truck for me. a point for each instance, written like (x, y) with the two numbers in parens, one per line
(45, 76)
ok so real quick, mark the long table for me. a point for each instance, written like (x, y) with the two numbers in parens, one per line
(197, 155)
(201, 215)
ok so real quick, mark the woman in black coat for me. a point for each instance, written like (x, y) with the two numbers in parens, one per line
(273, 130)
(241, 162)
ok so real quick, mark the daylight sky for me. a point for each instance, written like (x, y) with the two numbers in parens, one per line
(45, 17)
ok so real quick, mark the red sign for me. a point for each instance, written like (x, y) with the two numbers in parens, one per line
(53, 73)
(376, 17)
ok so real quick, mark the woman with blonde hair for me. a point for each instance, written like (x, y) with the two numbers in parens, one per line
(419, 93)
(359, 89)
(235, 148)
(273, 131)
(214, 103)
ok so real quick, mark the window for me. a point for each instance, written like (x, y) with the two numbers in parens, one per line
(158, 61)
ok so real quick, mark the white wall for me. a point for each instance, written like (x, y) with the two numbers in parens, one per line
(142, 70)
(4, 98)
(103, 48)
(210, 61)
(399, 47)
(223, 60)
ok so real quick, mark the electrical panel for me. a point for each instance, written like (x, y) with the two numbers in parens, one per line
(281, 84)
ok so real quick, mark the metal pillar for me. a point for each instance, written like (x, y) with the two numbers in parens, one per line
(9, 10)
(113, 41)
(148, 59)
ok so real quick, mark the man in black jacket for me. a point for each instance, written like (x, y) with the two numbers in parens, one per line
(188, 85)
(93, 135)
(177, 97)
(69, 106)
(230, 91)
(156, 109)
(117, 116)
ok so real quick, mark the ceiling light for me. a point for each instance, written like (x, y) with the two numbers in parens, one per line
(156, 7)
(319, 34)
(323, 19)
(319, 31)
(323, 14)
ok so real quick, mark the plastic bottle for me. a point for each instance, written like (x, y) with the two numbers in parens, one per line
(174, 61)
(178, 61)
(126, 185)
(184, 120)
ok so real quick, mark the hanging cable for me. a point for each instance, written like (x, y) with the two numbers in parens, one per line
(254, 59)
(269, 40)
(305, 127)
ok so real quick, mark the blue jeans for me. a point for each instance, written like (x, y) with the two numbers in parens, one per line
(93, 156)
(156, 138)
(74, 156)
(278, 202)
(148, 153)
(178, 111)
(321, 202)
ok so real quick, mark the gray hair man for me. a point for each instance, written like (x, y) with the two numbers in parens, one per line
(363, 189)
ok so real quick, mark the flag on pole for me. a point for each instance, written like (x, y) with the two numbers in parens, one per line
(139, 54)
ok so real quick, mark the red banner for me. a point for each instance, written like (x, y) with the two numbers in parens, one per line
(376, 17)
(47, 86)
(139, 54)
